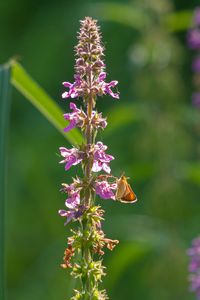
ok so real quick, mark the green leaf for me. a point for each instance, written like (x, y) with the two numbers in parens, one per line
(23, 82)
(4, 122)
(178, 21)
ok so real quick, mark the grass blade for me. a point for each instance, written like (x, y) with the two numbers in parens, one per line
(4, 122)
(23, 82)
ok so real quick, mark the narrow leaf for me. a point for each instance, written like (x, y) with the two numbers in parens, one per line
(23, 82)
(4, 122)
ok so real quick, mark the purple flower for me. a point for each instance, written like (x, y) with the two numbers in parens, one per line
(194, 253)
(97, 120)
(197, 16)
(196, 99)
(105, 189)
(101, 160)
(75, 210)
(74, 156)
(71, 214)
(193, 38)
(99, 87)
(73, 192)
(194, 267)
(80, 87)
(195, 284)
(76, 118)
(71, 157)
(196, 64)
(74, 88)
(105, 88)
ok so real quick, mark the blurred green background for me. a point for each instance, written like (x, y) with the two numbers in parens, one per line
(153, 133)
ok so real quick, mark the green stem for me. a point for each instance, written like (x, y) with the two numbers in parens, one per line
(86, 254)
(86, 260)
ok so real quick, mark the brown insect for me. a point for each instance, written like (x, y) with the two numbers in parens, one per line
(124, 191)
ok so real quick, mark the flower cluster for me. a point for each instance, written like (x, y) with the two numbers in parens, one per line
(193, 40)
(88, 238)
(80, 87)
(90, 72)
(105, 190)
(78, 118)
(194, 266)
(74, 156)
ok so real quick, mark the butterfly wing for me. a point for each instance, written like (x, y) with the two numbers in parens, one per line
(121, 188)
(124, 191)
(129, 196)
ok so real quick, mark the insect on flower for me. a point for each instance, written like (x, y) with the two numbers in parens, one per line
(124, 191)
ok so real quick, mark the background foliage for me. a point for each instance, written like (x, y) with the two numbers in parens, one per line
(153, 132)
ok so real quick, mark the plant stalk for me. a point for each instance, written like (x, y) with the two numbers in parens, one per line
(86, 253)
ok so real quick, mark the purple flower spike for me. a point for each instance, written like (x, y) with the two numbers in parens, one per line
(193, 38)
(89, 61)
(71, 157)
(196, 65)
(194, 267)
(86, 245)
(197, 16)
(105, 190)
(196, 99)
(101, 159)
